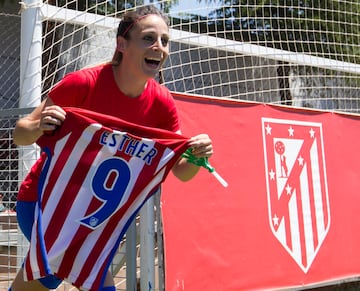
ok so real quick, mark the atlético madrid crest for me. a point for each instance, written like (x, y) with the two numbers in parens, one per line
(298, 203)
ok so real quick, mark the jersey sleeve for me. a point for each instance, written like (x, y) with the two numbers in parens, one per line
(71, 90)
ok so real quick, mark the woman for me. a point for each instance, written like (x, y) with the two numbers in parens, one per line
(124, 88)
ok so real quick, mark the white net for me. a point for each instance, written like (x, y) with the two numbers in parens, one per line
(296, 53)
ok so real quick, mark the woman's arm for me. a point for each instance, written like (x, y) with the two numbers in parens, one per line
(45, 117)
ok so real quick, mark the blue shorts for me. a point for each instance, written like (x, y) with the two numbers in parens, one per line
(25, 217)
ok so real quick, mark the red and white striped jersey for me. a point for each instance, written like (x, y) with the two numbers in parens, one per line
(99, 171)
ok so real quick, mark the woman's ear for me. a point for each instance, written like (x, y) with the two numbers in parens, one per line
(120, 43)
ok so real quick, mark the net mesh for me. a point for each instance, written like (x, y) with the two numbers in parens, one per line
(299, 53)
(296, 53)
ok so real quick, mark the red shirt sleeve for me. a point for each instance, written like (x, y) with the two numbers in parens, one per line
(71, 90)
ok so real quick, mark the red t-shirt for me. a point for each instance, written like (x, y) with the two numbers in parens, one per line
(95, 89)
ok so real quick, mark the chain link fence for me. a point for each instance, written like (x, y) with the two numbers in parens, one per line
(9, 96)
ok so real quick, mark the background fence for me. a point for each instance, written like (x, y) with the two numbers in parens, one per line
(295, 53)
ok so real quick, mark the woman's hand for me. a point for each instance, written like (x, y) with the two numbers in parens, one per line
(201, 146)
(44, 118)
(51, 117)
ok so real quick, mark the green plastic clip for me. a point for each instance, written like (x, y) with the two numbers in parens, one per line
(203, 162)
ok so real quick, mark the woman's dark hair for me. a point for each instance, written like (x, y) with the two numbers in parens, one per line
(130, 19)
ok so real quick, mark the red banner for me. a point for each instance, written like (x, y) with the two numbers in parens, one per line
(289, 216)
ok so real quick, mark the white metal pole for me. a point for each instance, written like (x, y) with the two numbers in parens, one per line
(131, 242)
(147, 246)
(30, 71)
(159, 242)
(30, 50)
(30, 84)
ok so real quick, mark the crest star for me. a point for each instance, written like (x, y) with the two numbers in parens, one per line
(312, 133)
(272, 174)
(275, 220)
(291, 131)
(268, 129)
(300, 160)
(288, 189)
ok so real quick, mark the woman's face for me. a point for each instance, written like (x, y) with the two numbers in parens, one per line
(147, 47)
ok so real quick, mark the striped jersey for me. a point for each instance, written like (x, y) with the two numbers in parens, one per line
(98, 171)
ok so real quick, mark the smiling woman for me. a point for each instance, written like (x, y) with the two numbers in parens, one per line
(134, 17)
(124, 88)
